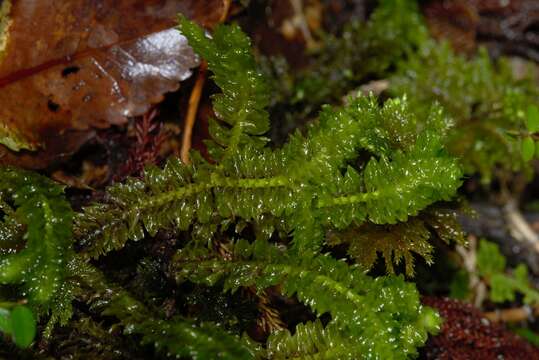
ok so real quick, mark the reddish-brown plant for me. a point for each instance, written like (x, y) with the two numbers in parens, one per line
(466, 334)
(145, 150)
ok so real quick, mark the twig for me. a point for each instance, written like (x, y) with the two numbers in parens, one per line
(512, 315)
(226, 9)
(520, 230)
(519, 227)
(375, 87)
(469, 259)
(301, 22)
(194, 99)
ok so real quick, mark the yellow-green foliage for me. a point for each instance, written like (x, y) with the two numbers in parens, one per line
(359, 165)
(488, 104)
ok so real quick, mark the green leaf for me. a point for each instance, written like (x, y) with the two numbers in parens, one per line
(23, 325)
(503, 287)
(489, 258)
(527, 334)
(528, 148)
(532, 119)
(5, 321)
(460, 288)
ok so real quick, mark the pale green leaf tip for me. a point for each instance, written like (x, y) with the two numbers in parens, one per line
(532, 119)
(528, 148)
(431, 320)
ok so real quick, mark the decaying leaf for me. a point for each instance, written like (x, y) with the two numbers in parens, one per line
(68, 67)
(508, 27)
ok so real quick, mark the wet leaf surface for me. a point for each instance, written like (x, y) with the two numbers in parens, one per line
(70, 67)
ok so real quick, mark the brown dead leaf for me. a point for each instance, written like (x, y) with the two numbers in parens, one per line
(456, 21)
(69, 67)
(92, 176)
(504, 27)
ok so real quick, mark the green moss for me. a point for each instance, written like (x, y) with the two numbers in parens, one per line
(486, 102)
(380, 316)
(363, 164)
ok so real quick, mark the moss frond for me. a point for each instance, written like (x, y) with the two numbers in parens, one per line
(245, 94)
(302, 184)
(369, 315)
(489, 115)
(41, 266)
(178, 337)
